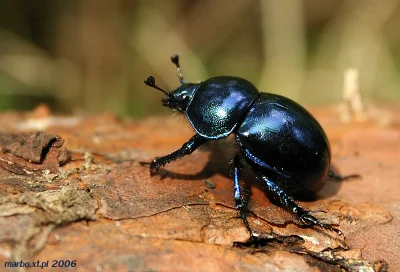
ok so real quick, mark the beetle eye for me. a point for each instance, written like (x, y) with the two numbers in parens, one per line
(184, 95)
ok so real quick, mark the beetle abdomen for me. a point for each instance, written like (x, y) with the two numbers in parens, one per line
(219, 104)
(281, 134)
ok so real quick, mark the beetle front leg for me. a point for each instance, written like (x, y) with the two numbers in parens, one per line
(239, 200)
(304, 215)
(187, 148)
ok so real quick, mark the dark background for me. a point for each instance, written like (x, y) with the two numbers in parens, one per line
(92, 56)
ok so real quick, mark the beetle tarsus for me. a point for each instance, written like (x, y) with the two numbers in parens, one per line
(304, 215)
(308, 219)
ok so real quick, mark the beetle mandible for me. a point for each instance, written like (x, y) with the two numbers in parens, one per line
(281, 141)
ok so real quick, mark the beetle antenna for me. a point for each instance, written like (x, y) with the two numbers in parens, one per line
(175, 60)
(151, 82)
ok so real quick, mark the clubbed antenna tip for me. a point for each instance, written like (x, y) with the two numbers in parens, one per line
(175, 60)
(151, 82)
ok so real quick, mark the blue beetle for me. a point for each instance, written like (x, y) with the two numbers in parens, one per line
(280, 140)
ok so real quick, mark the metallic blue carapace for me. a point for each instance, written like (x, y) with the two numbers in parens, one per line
(282, 135)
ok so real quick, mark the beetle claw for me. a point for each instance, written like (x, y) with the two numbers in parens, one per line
(308, 219)
(154, 166)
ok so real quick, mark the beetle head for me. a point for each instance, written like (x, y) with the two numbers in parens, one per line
(179, 98)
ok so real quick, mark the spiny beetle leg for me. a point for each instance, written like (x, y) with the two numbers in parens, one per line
(187, 148)
(304, 215)
(238, 195)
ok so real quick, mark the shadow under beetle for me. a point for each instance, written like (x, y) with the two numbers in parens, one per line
(280, 140)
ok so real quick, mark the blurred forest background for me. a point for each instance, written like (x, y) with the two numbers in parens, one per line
(91, 56)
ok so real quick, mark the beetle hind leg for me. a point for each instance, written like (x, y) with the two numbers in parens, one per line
(240, 201)
(305, 216)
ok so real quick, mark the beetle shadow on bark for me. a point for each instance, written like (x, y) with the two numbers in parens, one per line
(333, 182)
(222, 152)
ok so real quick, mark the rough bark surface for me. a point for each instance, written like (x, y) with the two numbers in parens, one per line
(77, 191)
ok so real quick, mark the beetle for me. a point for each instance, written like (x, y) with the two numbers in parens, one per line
(282, 142)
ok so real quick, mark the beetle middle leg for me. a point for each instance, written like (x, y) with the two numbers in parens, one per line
(187, 148)
(238, 194)
(304, 215)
